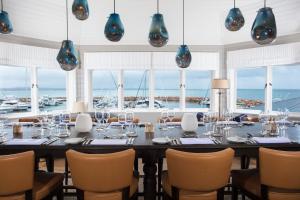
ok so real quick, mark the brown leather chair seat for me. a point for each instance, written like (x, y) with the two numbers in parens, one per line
(276, 178)
(45, 183)
(18, 180)
(196, 176)
(117, 195)
(186, 194)
(103, 176)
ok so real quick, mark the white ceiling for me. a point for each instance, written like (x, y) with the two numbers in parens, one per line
(45, 19)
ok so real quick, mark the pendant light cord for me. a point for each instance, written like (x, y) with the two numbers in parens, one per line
(67, 17)
(157, 4)
(1, 5)
(234, 3)
(183, 22)
(114, 6)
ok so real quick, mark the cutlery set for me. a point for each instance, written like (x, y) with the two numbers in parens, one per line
(175, 141)
(50, 141)
(87, 141)
(130, 141)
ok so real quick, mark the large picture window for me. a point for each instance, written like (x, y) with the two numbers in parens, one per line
(105, 89)
(167, 94)
(198, 84)
(136, 89)
(286, 88)
(15, 89)
(51, 89)
(250, 88)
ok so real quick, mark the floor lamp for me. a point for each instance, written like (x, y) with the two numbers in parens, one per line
(220, 84)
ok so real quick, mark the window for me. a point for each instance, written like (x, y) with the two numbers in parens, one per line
(250, 88)
(51, 89)
(286, 88)
(105, 89)
(15, 90)
(198, 84)
(136, 89)
(167, 94)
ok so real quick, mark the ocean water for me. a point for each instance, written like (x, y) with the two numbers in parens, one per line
(282, 98)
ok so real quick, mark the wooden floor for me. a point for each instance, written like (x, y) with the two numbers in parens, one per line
(59, 167)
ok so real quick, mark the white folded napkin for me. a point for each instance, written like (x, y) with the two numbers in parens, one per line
(196, 141)
(26, 141)
(269, 140)
(109, 142)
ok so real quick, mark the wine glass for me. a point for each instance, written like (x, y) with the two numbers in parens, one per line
(3, 121)
(65, 120)
(99, 118)
(129, 120)
(171, 116)
(164, 117)
(122, 120)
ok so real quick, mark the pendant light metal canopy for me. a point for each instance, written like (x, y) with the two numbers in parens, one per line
(67, 56)
(5, 24)
(158, 34)
(183, 56)
(80, 9)
(264, 30)
(114, 29)
(235, 19)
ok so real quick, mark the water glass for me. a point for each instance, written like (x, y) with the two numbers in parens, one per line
(171, 116)
(99, 118)
(122, 120)
(129, 120)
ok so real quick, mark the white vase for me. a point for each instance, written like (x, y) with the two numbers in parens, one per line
(189, 122)
(83, 123)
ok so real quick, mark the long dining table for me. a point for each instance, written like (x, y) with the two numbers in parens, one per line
(146, 150)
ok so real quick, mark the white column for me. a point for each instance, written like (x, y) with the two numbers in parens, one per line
(232, 90)
(182, 89)
(120, 90)
(268, 90)
(151, 89)
(88, 88)
(34, 91)
(71, 89)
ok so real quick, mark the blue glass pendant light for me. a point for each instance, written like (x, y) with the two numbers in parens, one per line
(5, 24)
(114, 29)
(264, 29)
(183, 56)
(158, 35)
(234, 20)
(80, 9)
(67, 56)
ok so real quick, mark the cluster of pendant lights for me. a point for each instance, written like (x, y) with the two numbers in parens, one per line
(263, 31)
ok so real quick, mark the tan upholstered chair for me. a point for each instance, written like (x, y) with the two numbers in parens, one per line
(29, 119)
(278, 177)
(18, 180)
(200, 176)
(103, 176)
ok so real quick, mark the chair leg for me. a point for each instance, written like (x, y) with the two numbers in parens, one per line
(234, 195)
(220, 194)
(60, 193)
(159, 173)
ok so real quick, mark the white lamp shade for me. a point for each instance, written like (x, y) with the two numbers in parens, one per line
(79, 107)
(220, 84)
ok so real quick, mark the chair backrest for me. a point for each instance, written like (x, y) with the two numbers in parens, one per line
(199, 171)
(16, 173)
(279, 169)
(101, 172)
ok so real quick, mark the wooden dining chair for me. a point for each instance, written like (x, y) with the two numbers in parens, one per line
(103, 176)
(200, 176)
(29, 119)
(18, 180)
(278, 177)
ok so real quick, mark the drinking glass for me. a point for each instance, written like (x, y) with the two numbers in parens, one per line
(65, 120)
(3, 121)
(122, 120)
(164, 117)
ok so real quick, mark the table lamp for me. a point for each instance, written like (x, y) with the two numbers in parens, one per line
(220, 84)
(84, 122)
